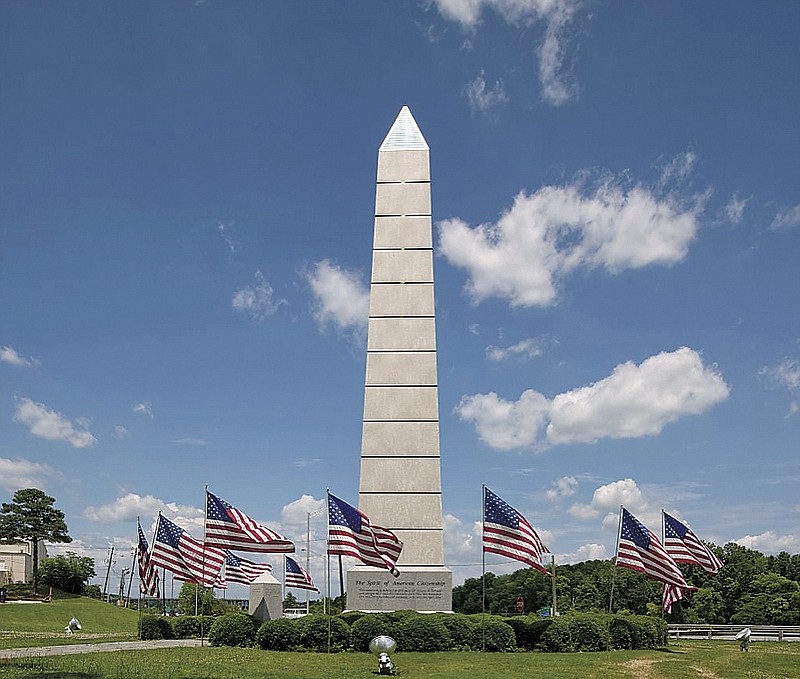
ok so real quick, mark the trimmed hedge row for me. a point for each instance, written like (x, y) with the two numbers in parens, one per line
(420, 632)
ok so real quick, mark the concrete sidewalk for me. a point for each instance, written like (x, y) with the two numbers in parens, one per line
(97, 648)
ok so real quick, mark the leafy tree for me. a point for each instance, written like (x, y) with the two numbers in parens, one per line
(193, 596)
(707, 606)
(290, 601)
(31, 517)
(68, 572)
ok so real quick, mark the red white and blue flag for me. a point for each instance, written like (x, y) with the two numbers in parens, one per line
(640, 550)
(507, 533)
(241, 570)
(229, 528)
(185, 556)
(350, 533)
(297, 576)
(148, 573)
(672, 594)
(685, 547)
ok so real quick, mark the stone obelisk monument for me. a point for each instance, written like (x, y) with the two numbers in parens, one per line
(400, 465)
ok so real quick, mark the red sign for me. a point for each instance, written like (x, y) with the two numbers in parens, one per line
(520, 604)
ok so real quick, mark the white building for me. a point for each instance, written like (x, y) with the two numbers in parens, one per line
(16, 561)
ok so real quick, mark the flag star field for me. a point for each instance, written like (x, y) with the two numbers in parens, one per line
(187, 194)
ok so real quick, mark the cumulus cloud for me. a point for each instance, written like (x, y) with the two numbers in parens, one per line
(549, 234)
(634, 401)
(561, 488)
(52, 425)
(483, 98)
(144, 408)
(341, 299)
(588, 552)
(606, 501)
(523, 350)
(771, 543)
(21, 473)
(131, 505)
(557, 16)
(296, 512)
(12, 357)
(787, 218)
(257, 301)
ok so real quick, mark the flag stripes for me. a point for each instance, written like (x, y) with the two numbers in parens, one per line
(507, 533)
(297, 576)
(230, 528)
(183, 555)
(685, 547)
(148, 573)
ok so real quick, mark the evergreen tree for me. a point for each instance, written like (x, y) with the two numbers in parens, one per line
(31, 517)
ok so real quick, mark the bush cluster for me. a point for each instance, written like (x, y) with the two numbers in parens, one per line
(419, 632)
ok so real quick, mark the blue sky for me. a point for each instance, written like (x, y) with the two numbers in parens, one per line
(186, 203)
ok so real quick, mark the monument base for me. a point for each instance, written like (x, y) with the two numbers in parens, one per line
(426, 589)
(266, 602)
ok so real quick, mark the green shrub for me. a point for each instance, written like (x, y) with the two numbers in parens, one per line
(278, 635)
(422, 633)
(648, 632)
(498, 637)
(351, 616)
(536, 631)
(397, 616)
(369, 626)
(186, 627)
(462, 629)
(234, 629)
(154, 627)
(314, 633)
(521, 627)
(557, 638)
(622, 632)
(590, 633)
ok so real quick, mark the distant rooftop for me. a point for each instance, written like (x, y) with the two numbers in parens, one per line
(405, 134)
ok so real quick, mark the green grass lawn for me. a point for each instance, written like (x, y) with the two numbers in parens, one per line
(682, 660)
(43, 624)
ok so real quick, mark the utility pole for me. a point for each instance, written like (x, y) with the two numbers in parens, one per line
(125, 571)
(108, 561)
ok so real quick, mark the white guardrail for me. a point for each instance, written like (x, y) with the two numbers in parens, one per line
(758, 632)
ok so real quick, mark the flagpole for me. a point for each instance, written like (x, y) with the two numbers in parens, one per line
(553, 556)
(616, 556)
(483, 568)
(139, 606)
(308, 557)
(328, 565)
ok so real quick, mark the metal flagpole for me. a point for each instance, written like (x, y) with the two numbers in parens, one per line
(328, 565)
(616, 556)
(308, 557)
(483, 568)
(555, 609)
(130, 580)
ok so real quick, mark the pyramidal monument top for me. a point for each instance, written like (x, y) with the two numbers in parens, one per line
(404, 134)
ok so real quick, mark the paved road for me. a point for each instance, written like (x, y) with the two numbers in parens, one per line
(96, 648)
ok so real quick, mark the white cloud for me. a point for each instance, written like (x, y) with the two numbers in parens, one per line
(771, 543)
(9, 355)
(561, 488)
(121, 433)
(557, 14)
(340, 298)
(787, 218)
(131, 505)
(21, 473)
(557, 230)
(258, 301)
(734, 210)
(296, 512)
(785, 374)
(524, 350)
(633, 401)
(482, 98)
(52, 425)
(188, 441)
(224, 229)
(144, 408)
(588, 552)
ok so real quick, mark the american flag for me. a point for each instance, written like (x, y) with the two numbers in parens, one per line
(672, 594)
(148, 573)
(229, 528)
(640, 550)
(507, 533)
(241, 570)
(297, 576)
(183, 555)
(351, 534)
(685, 547)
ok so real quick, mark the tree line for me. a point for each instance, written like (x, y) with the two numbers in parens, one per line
(751, 588)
